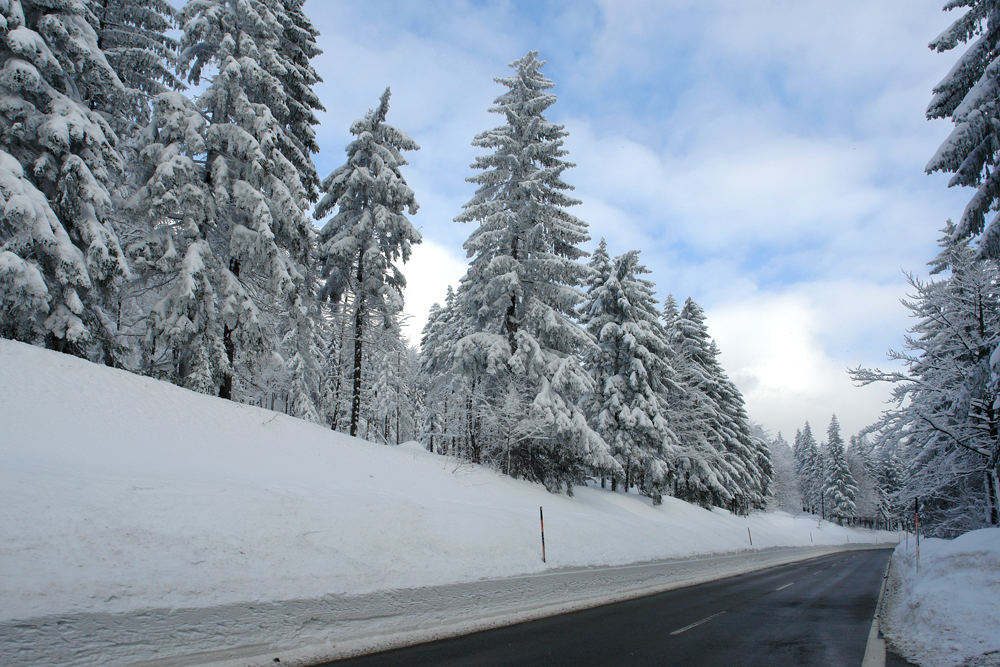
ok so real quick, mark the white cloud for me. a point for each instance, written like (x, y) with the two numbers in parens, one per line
(428, 273)
(789, 352)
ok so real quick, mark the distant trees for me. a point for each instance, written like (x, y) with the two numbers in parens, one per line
(785, 494)
(839, 487)
(810, 467)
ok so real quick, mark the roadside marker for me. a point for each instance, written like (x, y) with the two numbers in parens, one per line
(541, 522)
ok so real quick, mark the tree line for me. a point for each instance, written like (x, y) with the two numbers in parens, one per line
(188, 236)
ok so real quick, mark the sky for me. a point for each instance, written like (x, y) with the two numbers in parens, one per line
(766, 157)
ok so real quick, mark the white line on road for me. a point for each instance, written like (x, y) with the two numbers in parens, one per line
(696, 623)
(781, 588)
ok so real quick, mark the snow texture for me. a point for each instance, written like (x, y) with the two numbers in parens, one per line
(944, 611)
(123, 498)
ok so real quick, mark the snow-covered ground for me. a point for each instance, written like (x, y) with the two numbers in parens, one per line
(119, 493)
(944, 610)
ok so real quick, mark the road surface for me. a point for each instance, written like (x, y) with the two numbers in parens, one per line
(816, 612)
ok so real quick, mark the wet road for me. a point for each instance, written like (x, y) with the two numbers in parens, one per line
(816, 612)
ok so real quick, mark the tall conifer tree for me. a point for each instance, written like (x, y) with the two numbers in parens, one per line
(61, 262)
(369, 232)
(522, 286)
(226, 208)
(631, 370)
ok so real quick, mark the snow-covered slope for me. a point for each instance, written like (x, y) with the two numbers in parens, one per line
(943, 610)
(118, 492)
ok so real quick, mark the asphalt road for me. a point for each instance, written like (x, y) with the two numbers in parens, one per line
(816, 612)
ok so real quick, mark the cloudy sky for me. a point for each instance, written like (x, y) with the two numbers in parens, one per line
(767, 158)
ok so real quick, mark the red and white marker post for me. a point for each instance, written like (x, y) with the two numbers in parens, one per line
(541, 523)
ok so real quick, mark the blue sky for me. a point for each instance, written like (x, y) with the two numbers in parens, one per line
(767, 158)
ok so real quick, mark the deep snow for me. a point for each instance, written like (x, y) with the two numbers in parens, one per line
(943, 609)
(121, 493)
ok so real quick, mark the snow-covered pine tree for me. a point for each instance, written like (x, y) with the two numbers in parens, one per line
(299, 78)
(522, 285)
(304, 349)
(456, 411)
(839, 487)
(785, 493)
(133, 36)
(631, 371)
(369, 232)
(61, 262)
(336, 404)
(721, 462)
(809, 466)
(704, 476)
(968, 95)
(229, 237)
(866, 502)
(389, 408)
(943, 428)
(747, 454)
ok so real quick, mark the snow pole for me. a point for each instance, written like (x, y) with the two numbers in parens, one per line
(749, 536)
(541, 523)
(916, 527)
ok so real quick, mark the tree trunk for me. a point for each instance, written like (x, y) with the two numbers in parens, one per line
(993, 491)
(339, 366)
(510, 317)
(359, 325)
(226, 390)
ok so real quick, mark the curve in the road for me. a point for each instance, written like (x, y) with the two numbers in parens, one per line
(816, 612)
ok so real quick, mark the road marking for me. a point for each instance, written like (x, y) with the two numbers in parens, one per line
(696, 623)
(784, 587)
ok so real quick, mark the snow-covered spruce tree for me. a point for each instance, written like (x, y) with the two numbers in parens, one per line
(704, 475)
(970, 96)
(839, 487)
(455, 407)
(631, 371)
(229, 235)
(809, 467)
(299, 78)
(748, 454)
(304, 350)
(133, 36)
(785, 493)
(388, 411)
(866, 502)
(522, 285)
(369, 232)
(61, 263)
(721, 462)
(944, 427)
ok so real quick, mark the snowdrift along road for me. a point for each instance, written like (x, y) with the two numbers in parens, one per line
(121, 493)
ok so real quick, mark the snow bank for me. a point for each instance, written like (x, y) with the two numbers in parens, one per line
(945, 612)
(121, 493)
